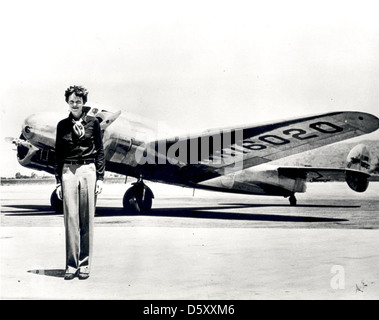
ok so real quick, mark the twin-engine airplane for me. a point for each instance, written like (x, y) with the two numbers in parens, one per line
(227, 160)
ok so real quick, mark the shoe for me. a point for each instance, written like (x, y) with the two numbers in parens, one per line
(83, 276)
(69, 276)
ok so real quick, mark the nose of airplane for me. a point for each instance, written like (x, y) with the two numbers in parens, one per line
(39, 129)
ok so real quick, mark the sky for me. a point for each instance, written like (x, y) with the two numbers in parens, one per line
(190, 64)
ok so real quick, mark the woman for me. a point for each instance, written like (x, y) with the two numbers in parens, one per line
(79, 173)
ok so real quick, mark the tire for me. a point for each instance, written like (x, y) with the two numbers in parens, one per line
(56, 203)
(138, 199)
(293, 200)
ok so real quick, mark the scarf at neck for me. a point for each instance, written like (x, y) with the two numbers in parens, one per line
(78, 128)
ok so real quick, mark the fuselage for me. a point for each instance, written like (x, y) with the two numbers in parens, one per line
(125, 139)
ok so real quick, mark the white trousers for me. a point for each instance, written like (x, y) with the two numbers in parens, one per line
(79, 201)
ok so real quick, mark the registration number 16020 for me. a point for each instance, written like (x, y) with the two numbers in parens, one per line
(299, 134)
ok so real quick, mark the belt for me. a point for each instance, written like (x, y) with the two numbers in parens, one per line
(87, 161)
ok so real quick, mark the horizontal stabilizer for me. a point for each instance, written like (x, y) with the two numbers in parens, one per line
(313, 174)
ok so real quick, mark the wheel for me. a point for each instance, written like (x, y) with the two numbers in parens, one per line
(293, 200)
(56, 203)
(138, 199)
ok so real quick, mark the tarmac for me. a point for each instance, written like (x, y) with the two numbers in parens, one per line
(198, 245)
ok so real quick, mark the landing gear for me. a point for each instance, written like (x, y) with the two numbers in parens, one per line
(56, 203)
(292, 200)
(138, 198)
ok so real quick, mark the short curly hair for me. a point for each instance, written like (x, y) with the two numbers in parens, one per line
(79, 91)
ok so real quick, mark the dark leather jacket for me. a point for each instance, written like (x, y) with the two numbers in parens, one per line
(68, 146)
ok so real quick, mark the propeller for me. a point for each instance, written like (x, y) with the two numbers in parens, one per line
(108, 119)
(9, 139)
(21, 141)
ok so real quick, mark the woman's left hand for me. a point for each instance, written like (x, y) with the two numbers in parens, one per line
(99, 187)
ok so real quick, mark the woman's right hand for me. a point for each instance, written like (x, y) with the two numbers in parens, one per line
(59, 192)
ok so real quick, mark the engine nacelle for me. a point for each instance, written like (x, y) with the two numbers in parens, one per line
(357, 181)
(358, 166)
(264, 180)
(31, 157)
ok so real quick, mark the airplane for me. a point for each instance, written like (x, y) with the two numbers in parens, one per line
(234, 159)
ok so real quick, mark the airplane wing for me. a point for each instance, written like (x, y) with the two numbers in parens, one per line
(222, 151)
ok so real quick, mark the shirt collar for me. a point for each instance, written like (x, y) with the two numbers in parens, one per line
(83, 117)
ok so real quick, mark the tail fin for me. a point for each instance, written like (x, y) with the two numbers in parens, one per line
(358, 168)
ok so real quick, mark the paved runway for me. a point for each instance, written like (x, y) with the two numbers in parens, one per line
(202, 246)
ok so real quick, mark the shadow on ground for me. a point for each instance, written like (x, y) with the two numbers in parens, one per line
(59, 273)
(204, 212)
